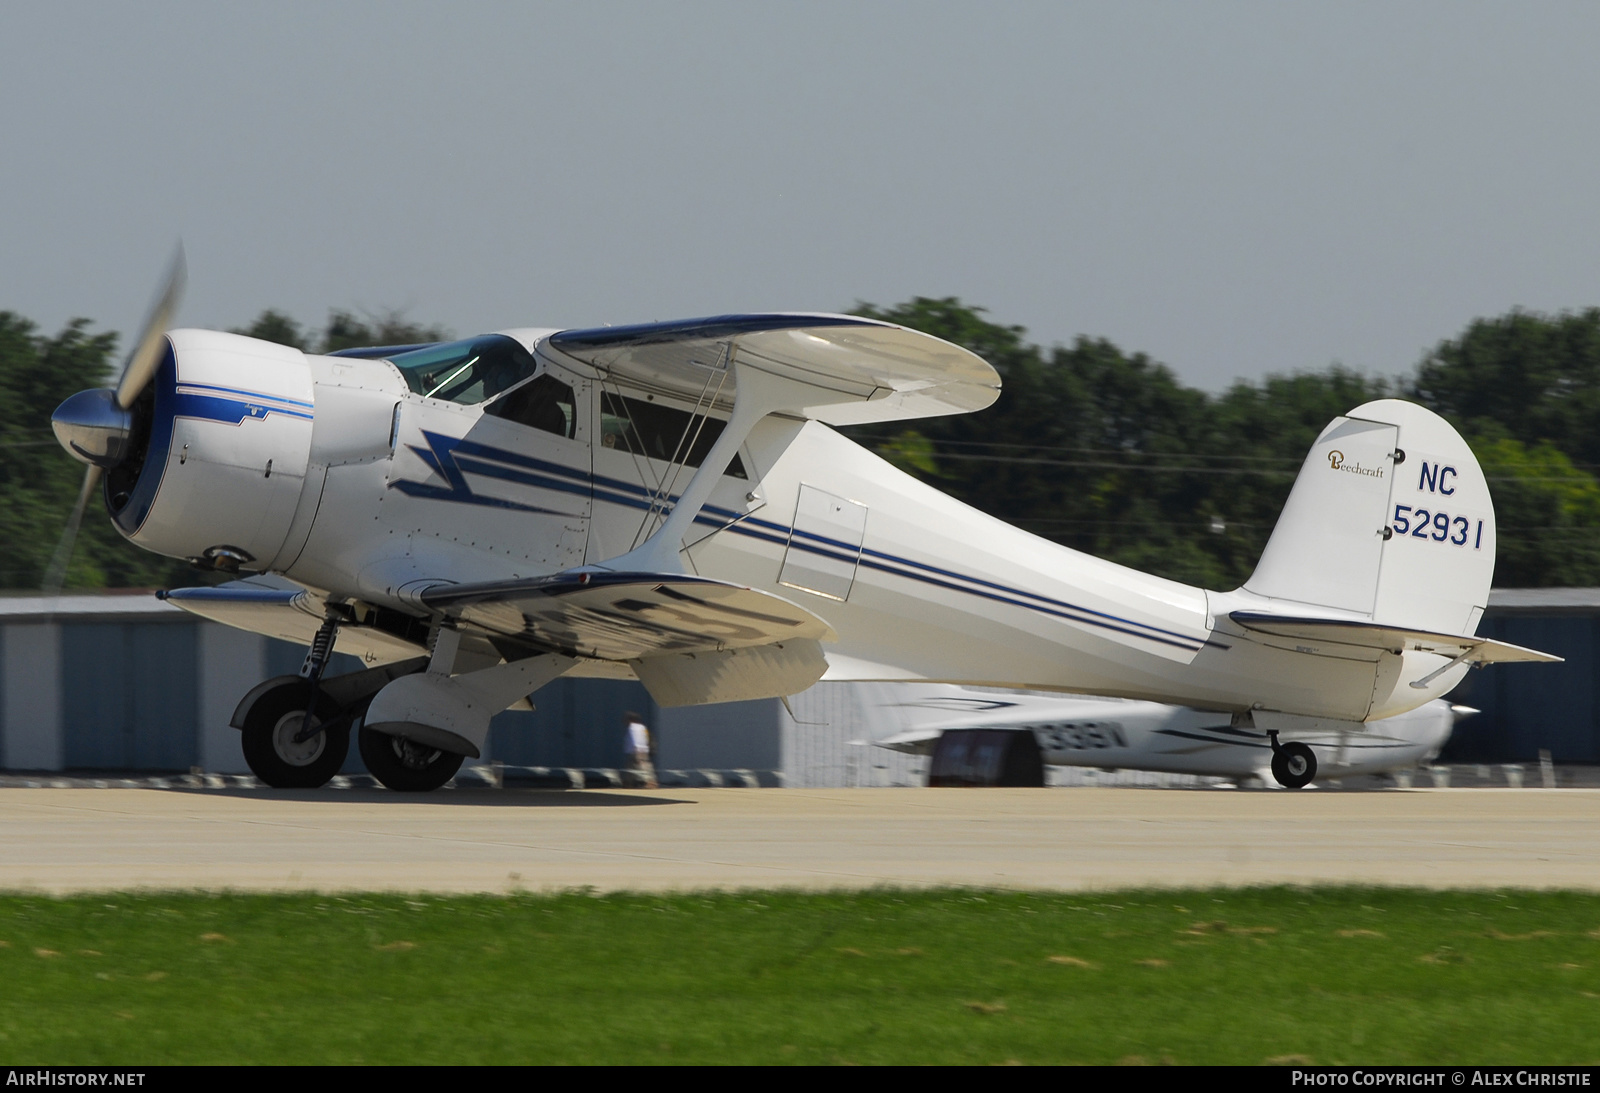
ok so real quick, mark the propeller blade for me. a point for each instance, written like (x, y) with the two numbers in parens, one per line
(146, 352)
(57, 572)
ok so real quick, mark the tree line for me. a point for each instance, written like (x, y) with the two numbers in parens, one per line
(1109, 453)
(1090, 446)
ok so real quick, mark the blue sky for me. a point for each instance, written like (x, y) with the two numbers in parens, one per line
(1233, 188)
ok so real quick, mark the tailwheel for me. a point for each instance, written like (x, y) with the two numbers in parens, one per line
(406, 766)
(276, 746)
(1294, 764)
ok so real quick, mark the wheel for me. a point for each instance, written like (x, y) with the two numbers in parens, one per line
(1294, 765)
(404, 765)
(270, 747)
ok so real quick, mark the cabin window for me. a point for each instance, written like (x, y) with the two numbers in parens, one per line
(660, 432)
(468, 371)
(543, 403)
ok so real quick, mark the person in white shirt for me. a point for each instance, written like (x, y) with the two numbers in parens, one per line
(637, 746)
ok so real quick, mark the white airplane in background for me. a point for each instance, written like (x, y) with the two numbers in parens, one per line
(1127, 734)
(666, 502)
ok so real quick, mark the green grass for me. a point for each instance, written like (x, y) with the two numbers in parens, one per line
(1331, 975)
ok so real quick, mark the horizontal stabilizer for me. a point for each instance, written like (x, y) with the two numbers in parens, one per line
(628, 616)
(854, 370)
(1466, 648)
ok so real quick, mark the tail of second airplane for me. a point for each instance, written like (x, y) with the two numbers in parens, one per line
(1391, 520)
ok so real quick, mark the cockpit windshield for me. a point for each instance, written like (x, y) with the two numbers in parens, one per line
(467, 371)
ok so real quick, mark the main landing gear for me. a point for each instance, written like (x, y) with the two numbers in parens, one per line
(1294, 764)
(296, 729)
(283, 755)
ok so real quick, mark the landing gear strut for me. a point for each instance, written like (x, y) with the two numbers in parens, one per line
(316, 663)
(1294, 764)
(293, 736)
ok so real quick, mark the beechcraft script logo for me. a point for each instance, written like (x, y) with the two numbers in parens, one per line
(1336, 461)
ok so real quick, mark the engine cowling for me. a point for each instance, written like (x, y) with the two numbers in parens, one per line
(216, 458)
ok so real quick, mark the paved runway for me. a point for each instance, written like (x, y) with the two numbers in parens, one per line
(63, 840)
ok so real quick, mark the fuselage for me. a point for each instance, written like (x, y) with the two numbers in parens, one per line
(343, 476)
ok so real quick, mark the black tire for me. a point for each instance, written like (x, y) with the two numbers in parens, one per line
(404, 765)
(1294, 765)
(268, 742)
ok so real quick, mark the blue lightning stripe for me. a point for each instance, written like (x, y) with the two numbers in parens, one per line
(521, 478)
(443, 456)
(445, 493)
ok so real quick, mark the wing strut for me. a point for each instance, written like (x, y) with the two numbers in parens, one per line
(661, 499)
(757, 393)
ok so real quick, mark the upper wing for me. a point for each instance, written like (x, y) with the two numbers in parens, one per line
(862, 369)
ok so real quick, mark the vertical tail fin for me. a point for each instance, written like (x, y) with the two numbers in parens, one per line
(1390, 518)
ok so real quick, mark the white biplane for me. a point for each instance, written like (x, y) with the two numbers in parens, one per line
(667, 502)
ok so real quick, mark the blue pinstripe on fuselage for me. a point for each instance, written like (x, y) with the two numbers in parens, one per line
(453, 458)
